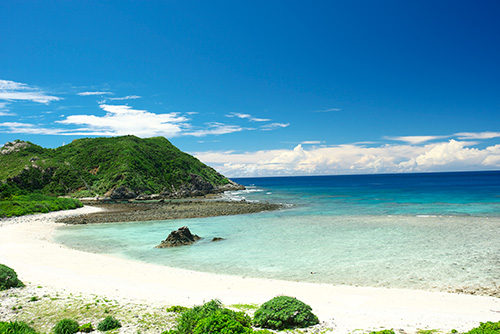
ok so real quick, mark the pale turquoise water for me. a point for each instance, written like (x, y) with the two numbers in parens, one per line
(360, 235)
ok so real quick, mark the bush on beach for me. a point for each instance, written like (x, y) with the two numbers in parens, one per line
(16, 327)
(284, 312)
(8, 278)
(108, 324)
(66, 326)
(486, 328)
(212, 317)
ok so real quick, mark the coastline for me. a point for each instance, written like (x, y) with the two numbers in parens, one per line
(26, 246)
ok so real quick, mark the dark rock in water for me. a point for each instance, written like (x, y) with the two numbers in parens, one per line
(217, 239)
(180, 237)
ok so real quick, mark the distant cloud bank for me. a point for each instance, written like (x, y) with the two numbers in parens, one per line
(451, 155)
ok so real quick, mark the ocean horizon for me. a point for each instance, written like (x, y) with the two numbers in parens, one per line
(432, 231)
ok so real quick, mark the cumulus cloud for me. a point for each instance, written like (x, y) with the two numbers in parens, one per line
(94, 93)
(355, 158)
(247, 116)
(16, 91)
(123, 120)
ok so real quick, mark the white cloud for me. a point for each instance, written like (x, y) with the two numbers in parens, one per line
(215, 128)
(274, 126)
(355, 158)
(415, 139)
(478, 135)
(12, 91)
(4, 111)
(247, 116)
(94, 93)
(123, 120)
(27, 128)
(328, 110)
(311, 142)
(128, 97)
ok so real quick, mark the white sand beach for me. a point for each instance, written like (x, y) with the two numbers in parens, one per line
(26, 245)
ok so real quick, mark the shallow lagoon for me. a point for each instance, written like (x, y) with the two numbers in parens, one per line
(413, 232)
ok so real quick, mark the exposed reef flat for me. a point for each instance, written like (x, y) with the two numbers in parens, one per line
(144, 211)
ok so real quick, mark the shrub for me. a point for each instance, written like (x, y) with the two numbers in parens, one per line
(224, 321)
(66, 326)
(190, 318)
(86, 328)
(8, 278)
(16, 327)
(486, 328)
(211, 317)
(108, 324)
(284, 312)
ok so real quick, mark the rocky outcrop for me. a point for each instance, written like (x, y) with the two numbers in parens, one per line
(180, 237)
(121, 193)
(198, 186)
(14, 146)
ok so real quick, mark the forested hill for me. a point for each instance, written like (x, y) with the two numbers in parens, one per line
(116, 167)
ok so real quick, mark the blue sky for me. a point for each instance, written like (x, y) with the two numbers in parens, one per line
(261, 88)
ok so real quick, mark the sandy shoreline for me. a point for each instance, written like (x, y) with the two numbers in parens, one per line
(26, 245)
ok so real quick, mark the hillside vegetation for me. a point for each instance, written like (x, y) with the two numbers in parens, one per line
(118, 167)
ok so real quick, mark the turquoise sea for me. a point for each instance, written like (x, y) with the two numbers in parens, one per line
(425, 231)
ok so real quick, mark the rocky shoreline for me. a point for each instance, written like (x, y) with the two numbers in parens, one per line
(145, 211)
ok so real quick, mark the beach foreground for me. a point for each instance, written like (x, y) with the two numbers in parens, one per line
(26, 245)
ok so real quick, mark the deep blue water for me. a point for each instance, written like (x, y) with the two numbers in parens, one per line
(429, 231)
(466, 193)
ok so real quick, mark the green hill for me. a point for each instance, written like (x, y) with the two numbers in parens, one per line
(118, 167)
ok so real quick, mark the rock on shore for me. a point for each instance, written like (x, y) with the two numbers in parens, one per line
(180, 237)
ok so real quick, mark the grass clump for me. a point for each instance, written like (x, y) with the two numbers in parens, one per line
(86, 328)
(284, 312)
(16, 327)
(66, 326)
(8, 278)
(385, 331)
(177, 309)
(108, 324)
(486, 328)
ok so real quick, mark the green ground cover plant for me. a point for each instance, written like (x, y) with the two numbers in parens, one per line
(284, 312)
(8, 278)
(486, 328)
(108, 324)
(14, 204)
(177, 309)
(16, 327)
(66, 326)
(86, 328)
